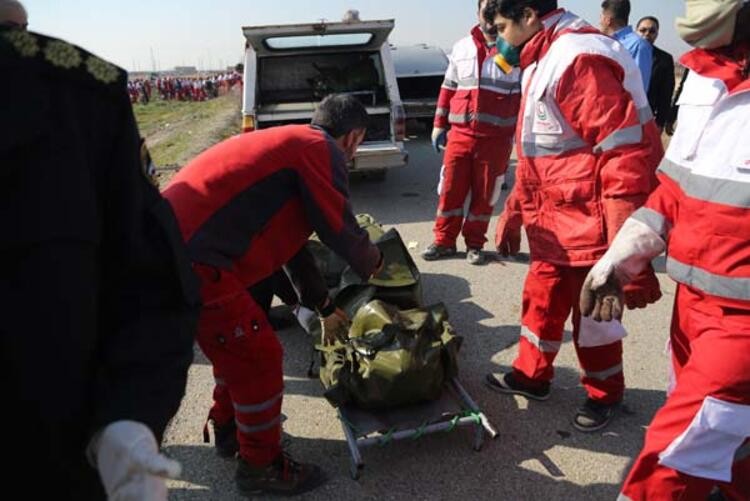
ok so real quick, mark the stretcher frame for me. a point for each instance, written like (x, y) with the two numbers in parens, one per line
(470, 415)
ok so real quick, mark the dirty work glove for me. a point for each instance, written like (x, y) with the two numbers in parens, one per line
(439, 138)
(602, 301)
(129, 463)
(643, 290)
(627, 260)
(335, 327)
(508, 234)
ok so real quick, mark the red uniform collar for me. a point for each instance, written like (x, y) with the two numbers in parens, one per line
(725, 64)
(538, 45)
(481, 43)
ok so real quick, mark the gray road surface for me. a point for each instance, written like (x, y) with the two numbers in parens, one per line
(538, 455)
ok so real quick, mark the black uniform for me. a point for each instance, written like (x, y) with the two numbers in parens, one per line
(98, 301)
(661, 88)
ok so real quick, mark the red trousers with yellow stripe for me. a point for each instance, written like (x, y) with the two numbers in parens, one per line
(471, 164)
(695, 441)
(550, 295)
(235, 335)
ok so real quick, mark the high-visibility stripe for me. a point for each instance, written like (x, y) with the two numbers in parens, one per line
(623, 497)
(653, 220)
(244, 428)
(502, 85)
(711, 283)
(450, 84)
(542, 345)
(539, 150)
(605, 374)
(441, 112)
(623, 137)
(709, 189)
(473, 217)
(258, 407)
(451, 213)
(488, 83)
(481, 117)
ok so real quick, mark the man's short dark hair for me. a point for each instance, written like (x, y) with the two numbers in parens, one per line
(619, 9)
(513, 9)
(648, 18)
(339, 114)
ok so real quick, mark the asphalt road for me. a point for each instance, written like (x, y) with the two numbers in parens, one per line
(538, 454)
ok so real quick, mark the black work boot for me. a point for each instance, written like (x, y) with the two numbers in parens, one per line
(435, 251)
(283, 477)
(476, 257)
(225, 439)
(508, 384)
(594, 415)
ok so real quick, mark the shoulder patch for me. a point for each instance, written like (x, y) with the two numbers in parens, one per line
(24, 43)
(62, 55)
(102, 70)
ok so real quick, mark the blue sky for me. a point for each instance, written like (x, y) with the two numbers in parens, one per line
(206, 33)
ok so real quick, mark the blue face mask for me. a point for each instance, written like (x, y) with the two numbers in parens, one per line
(507, 56)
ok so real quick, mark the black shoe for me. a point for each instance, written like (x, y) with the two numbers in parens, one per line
(594, 415)
(435, 251)
(476, 257)
(225, 439)
(508, 384)
(283, 477)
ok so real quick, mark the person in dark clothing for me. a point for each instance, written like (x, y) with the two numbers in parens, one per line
(299, 282)
(661, 88)
(246, 207)
(99, 303)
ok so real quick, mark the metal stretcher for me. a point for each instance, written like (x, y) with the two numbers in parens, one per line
(455, 408)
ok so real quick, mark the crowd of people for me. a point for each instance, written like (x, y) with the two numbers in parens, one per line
(200, 88)
(108, 282)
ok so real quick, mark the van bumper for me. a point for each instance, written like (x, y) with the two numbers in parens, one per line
(378, 156)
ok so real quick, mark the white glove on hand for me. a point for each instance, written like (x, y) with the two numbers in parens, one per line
(130, 465)
(634, 246)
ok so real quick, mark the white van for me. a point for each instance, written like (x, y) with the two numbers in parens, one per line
(290, 68)
(420, 71)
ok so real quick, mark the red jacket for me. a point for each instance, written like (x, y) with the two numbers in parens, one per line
(587, 143)
(702, 206)
(476, 97)
(250, 203)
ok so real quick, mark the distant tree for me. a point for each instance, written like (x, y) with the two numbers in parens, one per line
(239, 67)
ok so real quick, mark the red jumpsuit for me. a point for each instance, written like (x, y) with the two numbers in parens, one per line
(480, 103)
(245, 207)
(702, 210)
(587, 150)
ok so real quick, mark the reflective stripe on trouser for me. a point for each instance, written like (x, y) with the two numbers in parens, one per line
(236, 337)
(550, 294)
(472, 165)
(690, 447)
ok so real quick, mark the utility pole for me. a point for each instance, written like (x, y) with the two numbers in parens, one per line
(153, 60)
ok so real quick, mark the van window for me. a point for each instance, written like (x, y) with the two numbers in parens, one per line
(311, 77)
(317, 41)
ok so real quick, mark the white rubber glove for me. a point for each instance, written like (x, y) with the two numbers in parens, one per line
(439, 137)
(130, 465)
(634, 246)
